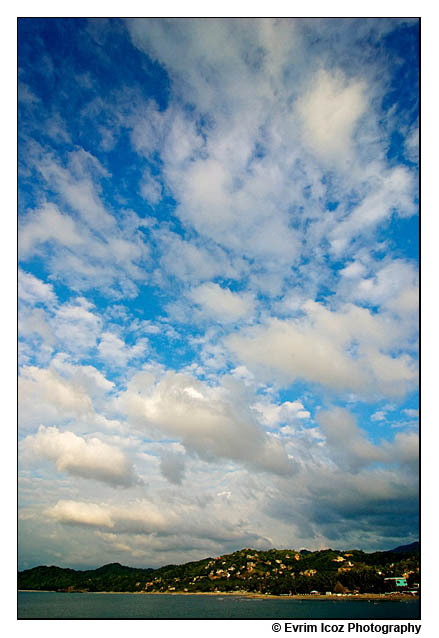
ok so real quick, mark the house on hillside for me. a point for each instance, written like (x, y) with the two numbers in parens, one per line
(309, 572)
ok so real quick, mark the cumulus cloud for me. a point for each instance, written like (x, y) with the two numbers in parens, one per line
(289, 411)
(348, 490)
(390, 284)
(347, 444)
(61, 393)
(411, 412)
(85, 245)
(144, 520)
(222, 304)
(151, 189)
(139, 532)
(404, 449)
(370, 508)
(116, 352)
(242, 167)
(77, 513)
(193, 261)
(45, 225)
(88, 458)
(392, 192)
(33, 290)
(213, 421)
(44, 394)
(172, 466)
(77, 326)
(217, 172)
(77, 186)
(350, 448)
(330, 110)
(319, 347)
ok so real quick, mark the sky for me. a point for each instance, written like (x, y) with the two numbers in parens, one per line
(218, 287)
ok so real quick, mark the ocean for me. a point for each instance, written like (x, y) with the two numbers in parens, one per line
(55, 605)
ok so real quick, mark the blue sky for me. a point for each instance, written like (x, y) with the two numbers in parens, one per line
(218, 287)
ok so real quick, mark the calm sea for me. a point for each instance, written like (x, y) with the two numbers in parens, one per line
(39, 605)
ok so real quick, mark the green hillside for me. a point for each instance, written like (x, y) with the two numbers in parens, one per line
(272, 571)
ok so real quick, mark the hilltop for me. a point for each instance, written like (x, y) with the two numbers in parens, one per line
(272, 571)
(404, 549)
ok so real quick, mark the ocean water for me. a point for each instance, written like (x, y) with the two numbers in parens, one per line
(39, 605)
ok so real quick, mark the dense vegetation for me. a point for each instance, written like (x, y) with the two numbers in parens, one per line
(272, 571)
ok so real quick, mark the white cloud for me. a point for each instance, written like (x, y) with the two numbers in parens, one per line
(344, 350)
(393, 191)
(347, 443)
(351, 450)
(391, 284)
(76, 326)
(223, 190)
(221, 304)
(287, 412)
(77, 186)
(85, 377)
(215, 422)
(73, 512)
(61, 393)
(37, 301)
(88, 458)
(33, 290)
(412, 145)
(84, 244)
(45, 396)
(237, 167)
(151, 189)
(144, 529)
(404, 449)
(353, 270)
(114, 351)
(192, 261)
(44, 225)
(330, 111)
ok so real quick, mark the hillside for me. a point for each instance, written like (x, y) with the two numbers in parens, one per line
(404, 549)
(272, 571)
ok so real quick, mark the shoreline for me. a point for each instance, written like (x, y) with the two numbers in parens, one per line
(333, 597)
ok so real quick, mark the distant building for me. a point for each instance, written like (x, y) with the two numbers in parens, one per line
(398, 581)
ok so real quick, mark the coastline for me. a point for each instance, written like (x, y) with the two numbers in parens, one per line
(334, 597)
